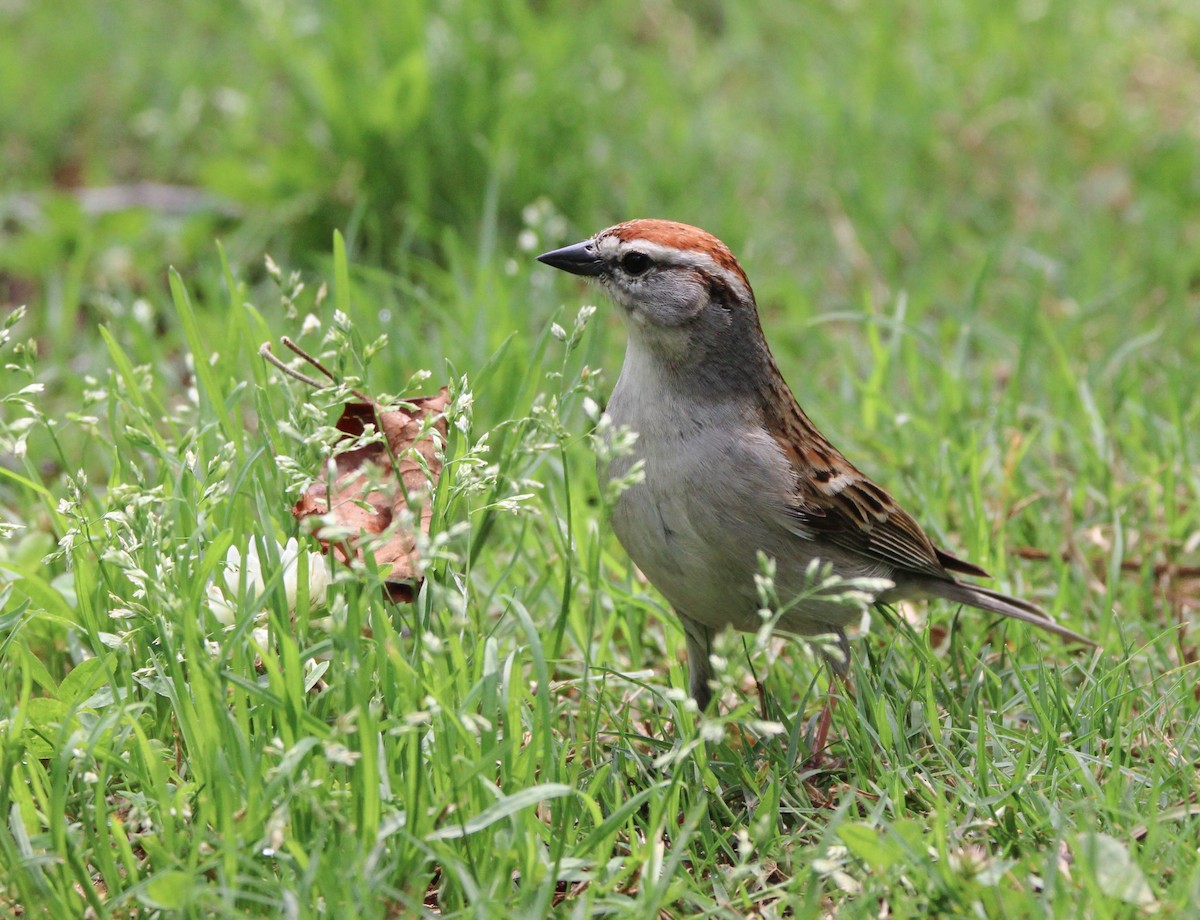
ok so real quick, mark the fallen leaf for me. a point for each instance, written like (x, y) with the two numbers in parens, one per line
(373, 486)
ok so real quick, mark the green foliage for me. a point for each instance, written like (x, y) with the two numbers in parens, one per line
(971, 228)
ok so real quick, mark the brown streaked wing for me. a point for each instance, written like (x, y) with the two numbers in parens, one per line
(861, 517)
(852, 520)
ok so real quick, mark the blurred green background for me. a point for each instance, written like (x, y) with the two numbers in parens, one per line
(832, 145)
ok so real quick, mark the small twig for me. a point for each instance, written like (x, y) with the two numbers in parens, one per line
(269, 356)
(1178, 813)
(323, 369)
(289, 343)
(1127, 565)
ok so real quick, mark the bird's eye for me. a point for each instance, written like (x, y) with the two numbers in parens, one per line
(635, 263)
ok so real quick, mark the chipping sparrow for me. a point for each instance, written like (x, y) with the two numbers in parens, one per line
(732, 463)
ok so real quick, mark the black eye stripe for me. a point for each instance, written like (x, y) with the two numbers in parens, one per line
(635, 263)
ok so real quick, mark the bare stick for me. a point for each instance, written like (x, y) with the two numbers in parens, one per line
(269, 356)
(265, 351)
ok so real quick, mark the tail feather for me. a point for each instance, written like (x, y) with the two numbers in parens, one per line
(952, 563)
(995, 602)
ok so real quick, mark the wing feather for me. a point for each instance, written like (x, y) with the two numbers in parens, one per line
(833, 501)
(890, 536)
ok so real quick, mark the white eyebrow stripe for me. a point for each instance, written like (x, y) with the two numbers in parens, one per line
(673, 255)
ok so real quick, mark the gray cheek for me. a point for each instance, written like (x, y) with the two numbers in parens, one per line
(669, 301)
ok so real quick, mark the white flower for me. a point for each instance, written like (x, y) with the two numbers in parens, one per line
(249, 567)
(318, 574)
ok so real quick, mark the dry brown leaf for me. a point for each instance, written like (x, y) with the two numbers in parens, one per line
(373, 486)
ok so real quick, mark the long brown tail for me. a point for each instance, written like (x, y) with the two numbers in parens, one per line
(995, 602)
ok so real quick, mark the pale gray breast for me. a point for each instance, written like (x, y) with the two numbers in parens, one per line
(713, 495)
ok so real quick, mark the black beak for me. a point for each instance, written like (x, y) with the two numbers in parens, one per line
(579, 259)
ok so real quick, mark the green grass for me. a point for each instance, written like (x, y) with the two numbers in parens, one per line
(973, 233)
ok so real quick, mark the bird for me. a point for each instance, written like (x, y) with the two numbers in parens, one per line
(732, 466)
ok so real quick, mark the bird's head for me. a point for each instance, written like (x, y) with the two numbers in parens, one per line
(680, 286)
